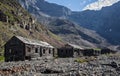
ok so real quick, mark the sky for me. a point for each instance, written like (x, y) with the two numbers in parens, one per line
(79, 5)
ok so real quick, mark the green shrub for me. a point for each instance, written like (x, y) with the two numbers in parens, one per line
(2, 58)
(56, 56)
(97, 49)
(80, 60)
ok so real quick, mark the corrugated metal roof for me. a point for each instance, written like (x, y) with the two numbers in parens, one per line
(34, 42)
(75, 46)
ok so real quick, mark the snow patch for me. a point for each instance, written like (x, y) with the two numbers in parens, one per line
(100, 4)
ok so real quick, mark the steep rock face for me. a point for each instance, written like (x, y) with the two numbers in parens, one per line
(41, 6)
(105, 22)
(73, 33)
(15, 20)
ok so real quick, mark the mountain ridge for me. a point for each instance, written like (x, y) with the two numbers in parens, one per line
(105, 22)
(63, 27)
(99, 21)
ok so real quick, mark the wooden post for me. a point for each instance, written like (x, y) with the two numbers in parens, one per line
(7, 20)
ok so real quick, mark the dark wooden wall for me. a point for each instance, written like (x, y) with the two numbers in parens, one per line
(65, 52)
(107, 51)
(14, 50)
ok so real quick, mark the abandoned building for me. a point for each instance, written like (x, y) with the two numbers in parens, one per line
(69, 50)
(19, 49)
(107, 51)
(91, 52)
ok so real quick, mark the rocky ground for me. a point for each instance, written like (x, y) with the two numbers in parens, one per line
(105, 65)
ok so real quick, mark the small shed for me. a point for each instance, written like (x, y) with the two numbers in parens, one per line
(78, 51)
(107, 51)
(19, 49)
(70, 50)
(91, 52)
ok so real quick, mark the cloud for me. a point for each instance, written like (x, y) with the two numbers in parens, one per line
(99, 4)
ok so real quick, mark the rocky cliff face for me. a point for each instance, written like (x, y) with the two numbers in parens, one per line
(105, 22)
(41, 6)
(73, 33)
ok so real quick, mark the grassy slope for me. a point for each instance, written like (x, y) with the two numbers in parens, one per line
(7, 30)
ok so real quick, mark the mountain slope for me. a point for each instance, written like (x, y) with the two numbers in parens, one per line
(35, 6)
(105, 22)
(14, 20)
(75, 34)
(69, 31)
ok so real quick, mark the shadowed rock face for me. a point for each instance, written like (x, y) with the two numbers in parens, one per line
(105, 22)
(75, 34)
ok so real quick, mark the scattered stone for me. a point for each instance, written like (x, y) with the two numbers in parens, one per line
(63, 67)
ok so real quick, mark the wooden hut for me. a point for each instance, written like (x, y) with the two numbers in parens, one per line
(70, 50)
(91, 52)
(107, 51)
(20, 48)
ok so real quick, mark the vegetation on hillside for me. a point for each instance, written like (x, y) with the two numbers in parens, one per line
(15, 20)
